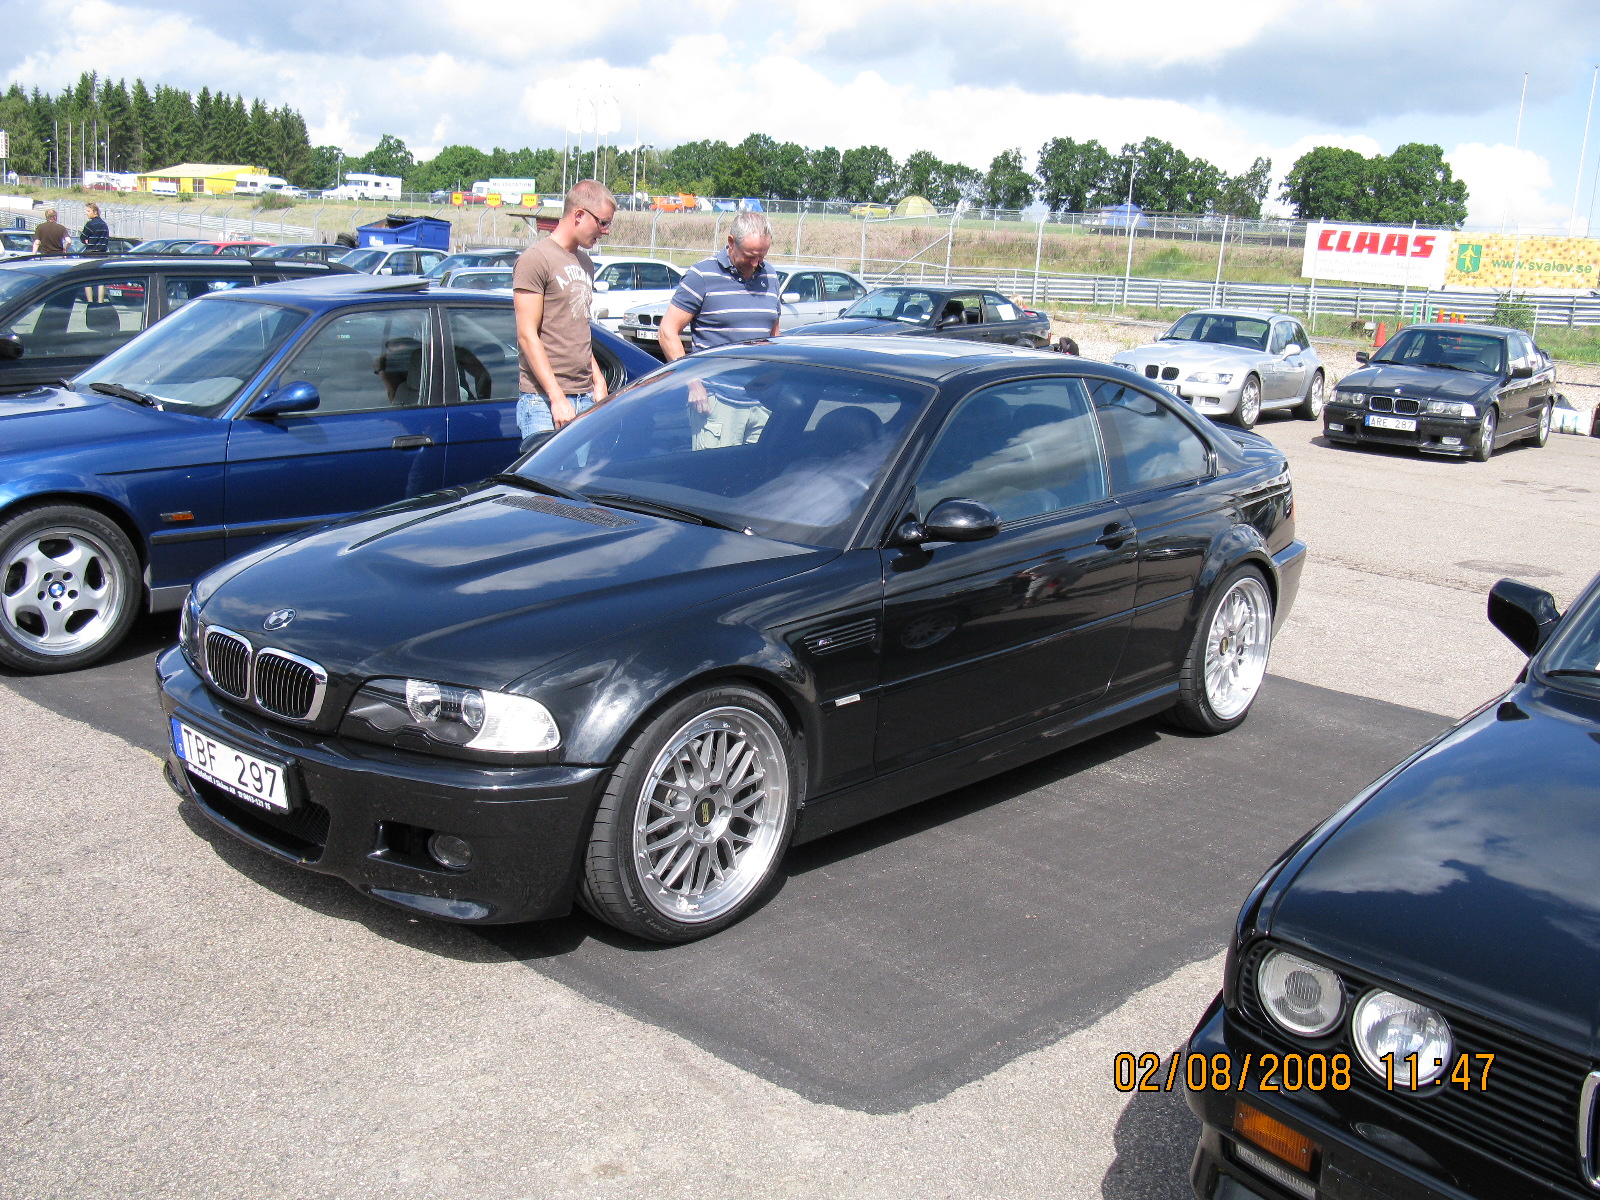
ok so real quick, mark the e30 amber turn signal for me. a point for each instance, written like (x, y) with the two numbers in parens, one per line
(1276, 1138)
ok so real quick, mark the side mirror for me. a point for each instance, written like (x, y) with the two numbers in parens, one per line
(10, 346)
(1363, 357)
(1292, 349)
(791, 297)
(385, 271)
(1524, 613)
(960, 521)
(290, 398)
(1521, 371)
(602, 285)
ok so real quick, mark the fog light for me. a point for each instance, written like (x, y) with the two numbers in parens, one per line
(1451, 441)
(1276, 1138)
(450, 851)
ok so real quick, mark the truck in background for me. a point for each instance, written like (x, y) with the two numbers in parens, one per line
(365, 187)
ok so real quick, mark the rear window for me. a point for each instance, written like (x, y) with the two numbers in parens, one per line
(15, 284)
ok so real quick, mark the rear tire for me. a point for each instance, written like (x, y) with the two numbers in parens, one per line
(1310, 406)
(695, 819)
(1541, 431)
(69, 588)
(1227, 661)
(1484, 450)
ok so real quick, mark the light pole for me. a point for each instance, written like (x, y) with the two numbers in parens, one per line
(1127, 215)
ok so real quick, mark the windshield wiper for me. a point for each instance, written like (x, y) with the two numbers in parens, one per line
(1577, 672)
(126, 393)
(533, 483)
(1450, 367)
(656, 508)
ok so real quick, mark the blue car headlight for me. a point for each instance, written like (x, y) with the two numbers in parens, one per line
(398, 711)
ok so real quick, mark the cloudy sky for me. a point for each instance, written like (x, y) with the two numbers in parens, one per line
(1229, 81)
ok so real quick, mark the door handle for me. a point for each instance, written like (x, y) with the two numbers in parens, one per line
(411, 441)
(1113, 535)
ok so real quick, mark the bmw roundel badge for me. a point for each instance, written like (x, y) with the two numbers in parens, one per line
(278, 619)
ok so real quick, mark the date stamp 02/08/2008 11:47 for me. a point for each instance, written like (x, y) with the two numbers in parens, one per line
(1142, 1072)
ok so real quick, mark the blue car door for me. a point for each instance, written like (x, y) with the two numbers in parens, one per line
(376, 436)
(480, 390)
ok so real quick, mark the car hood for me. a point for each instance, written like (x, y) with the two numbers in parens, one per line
(1194, 354)
(860, 325)
(480, 587)
(1473, 875)
(58, 419)
(1427, 383)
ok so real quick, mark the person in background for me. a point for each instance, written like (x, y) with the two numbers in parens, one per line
(1066, 345)
(50, 236)
(96, 235)
(730, 297)
(552, 286)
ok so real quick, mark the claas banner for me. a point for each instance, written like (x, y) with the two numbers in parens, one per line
(1507, 262)
(1389, 254)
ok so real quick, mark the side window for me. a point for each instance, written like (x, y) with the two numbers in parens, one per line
(802, 287)
(366, 361)
(998, 308)
(658, 275)
(1280, 337)
(485, 341)
(961, 310)
(618, 275)
(1024, 448)
(1299, 336)
(1522, 351)
(1149, 445)
(841, 287)
(85, 319)
(426, 260)
(182, 289)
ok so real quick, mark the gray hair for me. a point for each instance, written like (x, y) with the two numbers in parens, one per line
(748, 225)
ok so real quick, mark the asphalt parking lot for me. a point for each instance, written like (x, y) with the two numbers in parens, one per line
(928, 1007)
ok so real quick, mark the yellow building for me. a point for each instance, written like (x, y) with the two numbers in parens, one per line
(206, 179)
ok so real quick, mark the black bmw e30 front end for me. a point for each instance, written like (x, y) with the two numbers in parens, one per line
(1410, 1002)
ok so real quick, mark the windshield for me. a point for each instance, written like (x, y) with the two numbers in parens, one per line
(911, 305)
(276, 251)
(1444, 348)
(363, 260)
(788, 451)
(451, 263)
(200, 357)
(483, 279)
(1223, 329)
(19, 240)
(1573, 658)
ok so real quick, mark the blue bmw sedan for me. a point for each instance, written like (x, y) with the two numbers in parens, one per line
(243, 416)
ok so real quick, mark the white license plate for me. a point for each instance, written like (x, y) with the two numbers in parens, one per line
(645, 335)
(1405, 423)
(239, 774)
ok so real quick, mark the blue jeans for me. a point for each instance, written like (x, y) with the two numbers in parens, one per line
(533, 411)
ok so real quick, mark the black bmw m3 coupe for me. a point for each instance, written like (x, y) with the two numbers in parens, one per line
(764, 594)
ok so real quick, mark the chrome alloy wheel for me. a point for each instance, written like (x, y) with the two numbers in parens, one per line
(1249, 408)
(60, 590)
(1315, 397)
(711, 817)
(1544, 423)
(1237, 646)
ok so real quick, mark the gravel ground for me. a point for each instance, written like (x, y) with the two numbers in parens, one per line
(1101, 338)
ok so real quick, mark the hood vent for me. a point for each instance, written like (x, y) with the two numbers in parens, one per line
(835, 638)
(555, 508)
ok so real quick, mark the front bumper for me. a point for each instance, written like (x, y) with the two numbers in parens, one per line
(1433, 434)
(363, 813)
(1364, 1155)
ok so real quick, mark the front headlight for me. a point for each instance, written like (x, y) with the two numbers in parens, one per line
(1393, 1033)
(1301, 997)
(1355, 399)
(189, 628)
(1211, 377)
(451, 717)
(1452, 408)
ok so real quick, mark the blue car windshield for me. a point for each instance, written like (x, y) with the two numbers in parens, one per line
(785, 450)
(200, 358)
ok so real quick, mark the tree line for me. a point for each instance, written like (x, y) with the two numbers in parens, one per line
(140, 128)
(107, 125)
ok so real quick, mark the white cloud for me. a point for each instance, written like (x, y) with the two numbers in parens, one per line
(1507, 187)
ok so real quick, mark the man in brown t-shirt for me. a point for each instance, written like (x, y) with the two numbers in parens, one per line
(49, 235)
(552, 284)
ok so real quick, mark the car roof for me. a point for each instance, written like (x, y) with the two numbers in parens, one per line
(1258, 314)
(1454, 327)
(927, 359)
(68, 264)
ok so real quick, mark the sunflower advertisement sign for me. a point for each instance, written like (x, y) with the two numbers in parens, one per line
(1506, 262)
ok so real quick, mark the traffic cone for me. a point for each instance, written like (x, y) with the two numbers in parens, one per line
(1380, 337)
(1460, 320)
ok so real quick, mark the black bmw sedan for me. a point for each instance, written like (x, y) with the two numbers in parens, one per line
(766, 593)
(946, 312)
(1461, 390)
(1412, 994)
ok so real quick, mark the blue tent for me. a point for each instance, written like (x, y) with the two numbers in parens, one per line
(751, 204)
(1122, 216)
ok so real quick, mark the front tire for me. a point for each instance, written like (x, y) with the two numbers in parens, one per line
(1541, 432)
(696, 817)
(69, 588)
(1484, 450)
(1227, 661)
(1248, 411)
(1310, 406)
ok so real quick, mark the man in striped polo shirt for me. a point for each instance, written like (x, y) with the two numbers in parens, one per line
(730, 297)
